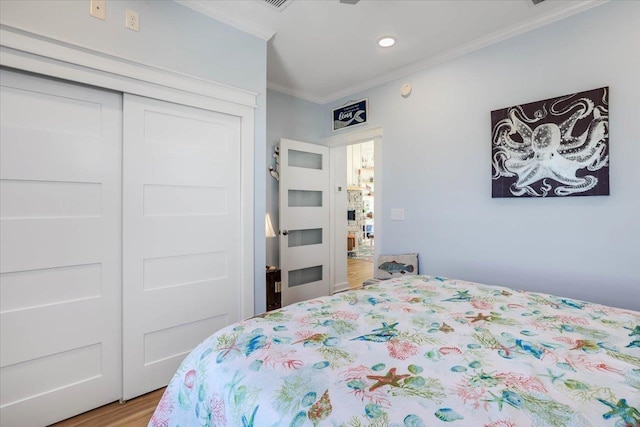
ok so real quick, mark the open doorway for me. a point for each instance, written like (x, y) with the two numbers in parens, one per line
(360, 212)
(340, 181)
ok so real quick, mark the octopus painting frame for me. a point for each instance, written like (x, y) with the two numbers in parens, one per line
(556, 147)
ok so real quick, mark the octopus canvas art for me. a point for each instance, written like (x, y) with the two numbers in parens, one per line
(551, 148)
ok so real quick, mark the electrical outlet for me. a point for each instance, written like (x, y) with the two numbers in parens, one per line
(132, 20)
(98, 9)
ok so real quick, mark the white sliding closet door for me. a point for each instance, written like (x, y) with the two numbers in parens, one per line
(181, 248)
(60, 248)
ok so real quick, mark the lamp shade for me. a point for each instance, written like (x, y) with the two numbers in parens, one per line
(268, 227)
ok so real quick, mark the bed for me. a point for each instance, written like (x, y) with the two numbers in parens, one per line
(416, 351)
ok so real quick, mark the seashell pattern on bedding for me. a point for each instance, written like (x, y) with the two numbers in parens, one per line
(416, 351)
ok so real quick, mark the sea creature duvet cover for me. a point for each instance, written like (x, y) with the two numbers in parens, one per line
(416, 351)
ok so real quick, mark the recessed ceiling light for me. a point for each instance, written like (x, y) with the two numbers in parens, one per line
(386, 41)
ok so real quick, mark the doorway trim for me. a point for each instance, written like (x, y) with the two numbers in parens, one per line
(338, 247)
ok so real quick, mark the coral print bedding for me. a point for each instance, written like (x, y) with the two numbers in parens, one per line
(416, 351)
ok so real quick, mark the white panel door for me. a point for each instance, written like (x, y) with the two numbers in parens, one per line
(60, 249)
(304, 221)
(181, 224)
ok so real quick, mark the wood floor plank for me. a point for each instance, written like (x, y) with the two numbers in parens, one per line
(134, 413)
(358, 271)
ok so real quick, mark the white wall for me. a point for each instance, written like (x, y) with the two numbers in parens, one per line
(173, 37)
(290, 118)
(436, 163)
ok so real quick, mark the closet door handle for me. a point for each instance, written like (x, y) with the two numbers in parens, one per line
(285, 232)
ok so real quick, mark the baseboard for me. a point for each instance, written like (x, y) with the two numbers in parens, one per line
(341, 287)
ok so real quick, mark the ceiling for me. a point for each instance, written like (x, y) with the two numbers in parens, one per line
(323, 50)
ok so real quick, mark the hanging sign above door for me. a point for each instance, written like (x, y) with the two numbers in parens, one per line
(351, 114)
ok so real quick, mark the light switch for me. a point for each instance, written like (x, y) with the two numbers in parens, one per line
(397, 214)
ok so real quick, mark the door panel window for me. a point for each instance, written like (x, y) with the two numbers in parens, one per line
(305, 199)
(305, 237)
(303, 159)
(305, 275)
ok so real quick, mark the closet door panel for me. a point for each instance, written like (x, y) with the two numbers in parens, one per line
(49, 241)
(57, 154)
(60, 249)
(181, 249)
(27, 331)
(188, 166)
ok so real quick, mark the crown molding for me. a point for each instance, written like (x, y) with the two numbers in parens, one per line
(224, 15)
(307, 96)
(20, 46)
(509, 32)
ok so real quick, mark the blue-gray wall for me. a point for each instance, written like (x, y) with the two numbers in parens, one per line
(290, 118)
(436, 163)
(172, 37)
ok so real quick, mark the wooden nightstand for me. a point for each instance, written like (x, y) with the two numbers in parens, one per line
(274, 299)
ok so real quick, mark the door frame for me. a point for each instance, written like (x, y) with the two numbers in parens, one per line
(338, 247)
(39, 54)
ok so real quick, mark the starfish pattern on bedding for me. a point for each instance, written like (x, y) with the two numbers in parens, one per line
(390, 379)
(621, 409)
(480, 317)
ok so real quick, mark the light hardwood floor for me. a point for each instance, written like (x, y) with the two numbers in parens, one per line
(138, 411)
(135, 413)
(358, 271)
